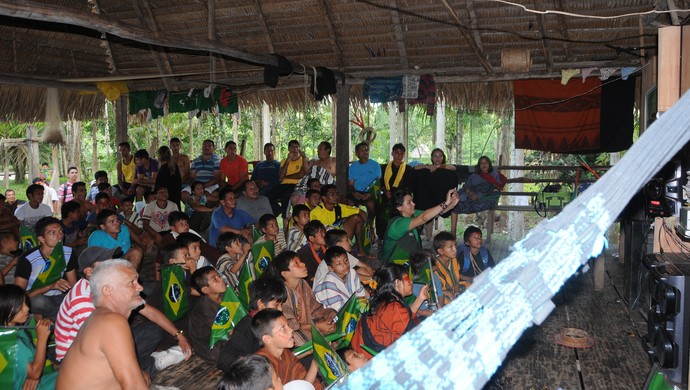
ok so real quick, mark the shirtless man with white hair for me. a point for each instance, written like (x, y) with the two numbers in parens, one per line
(102, 355)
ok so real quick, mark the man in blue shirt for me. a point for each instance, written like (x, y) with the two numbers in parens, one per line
(266, 173)
(362, 175)
(228, 218)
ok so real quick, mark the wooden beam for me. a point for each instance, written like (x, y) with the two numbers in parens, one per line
(399, 38)
(105, 44)
(262, 21)
(563, 28)
(478, 53)
(143, 11)
(546, 47)
(63, 15)
(14, 79)
(342, 134)
(474, 25)
(331, 34)
(674, 12)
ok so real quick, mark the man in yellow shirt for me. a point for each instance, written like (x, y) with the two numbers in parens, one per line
(292, 169)
(333, 213)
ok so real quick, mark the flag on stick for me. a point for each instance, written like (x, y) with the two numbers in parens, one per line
(27, 239)
(262, 255)
(230, 313)
(246, 278)
(175, 300)
(348, 316)
(331, 366)
(8, 353)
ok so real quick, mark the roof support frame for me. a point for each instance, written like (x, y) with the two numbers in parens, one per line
(331, 33)
(545, 44)
(399, 37)
(479, 53)
(105, 44)
(563, 27)
(264, 26)
(145, 15)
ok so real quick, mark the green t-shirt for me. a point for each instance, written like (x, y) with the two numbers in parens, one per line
(399, 242)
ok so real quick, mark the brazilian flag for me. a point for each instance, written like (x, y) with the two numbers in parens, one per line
(53, 268)
(175, 301)
(348, 316)
(8, 352)
(425, 277)
(27, 239)
(230, 313)
(368, 238)
(331, 366)
(374, 188)
(246, 278)
(262, 253)
(256, 233)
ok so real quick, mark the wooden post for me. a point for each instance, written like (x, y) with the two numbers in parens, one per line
(441, 125)
(94, 149)
(6, 167)
(34, 164)
(458, 139)
(393, 123)
(265, 130)
(342, 155)
(599, 272)
(121, 109)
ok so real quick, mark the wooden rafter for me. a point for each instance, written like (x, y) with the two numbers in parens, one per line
(57, 14)
(563, 28)
(546, 46)
(399, 38)
(478, 53)
(474, 24)
(143, 11)
(674, 13)
(331, 34)
(105, 44)
(264, 26)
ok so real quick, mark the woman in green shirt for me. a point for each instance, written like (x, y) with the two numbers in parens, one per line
(402, 237)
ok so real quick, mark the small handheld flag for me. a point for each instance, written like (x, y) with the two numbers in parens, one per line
(230, 313)
(52, 269)
(330, 364)
(262, 255)
(175, 294)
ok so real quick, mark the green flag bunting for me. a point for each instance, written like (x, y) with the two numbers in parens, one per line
(53, 268)
(27, 239)
(230, 313)
(175, 294)
(330, 364)
(262, 255)
(348, 316)
(246, 278)
(8, 352)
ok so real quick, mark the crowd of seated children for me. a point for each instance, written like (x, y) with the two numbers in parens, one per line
(301, 307)
(235, 253)
(389, 316)
(268, 224)
(312, 252)
(295, 236)
(274, 333)
(264, 293)
(340, 282)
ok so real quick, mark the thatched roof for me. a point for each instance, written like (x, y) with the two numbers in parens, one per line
(460, 42)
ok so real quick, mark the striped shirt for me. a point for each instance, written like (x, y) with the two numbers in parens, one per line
(205, 169)
(333, 292)
(74, 311)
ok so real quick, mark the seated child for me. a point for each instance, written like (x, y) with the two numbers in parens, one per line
(340, 282)
(252, 372)
(312, 253)
(447, 266)
(264, 293)
(208, 282)
(353, 359)
(313, 199)
(193, 244)
(271, 328)
(235, 253)
(301, 307)
(72, 225)
(130, 215)
(338, 237)
(269, 227)
(389, 316)
(295, 236)
(8, 245)
(417, 262)
(474, 256)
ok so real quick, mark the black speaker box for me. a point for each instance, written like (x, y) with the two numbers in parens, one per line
(668, 320)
